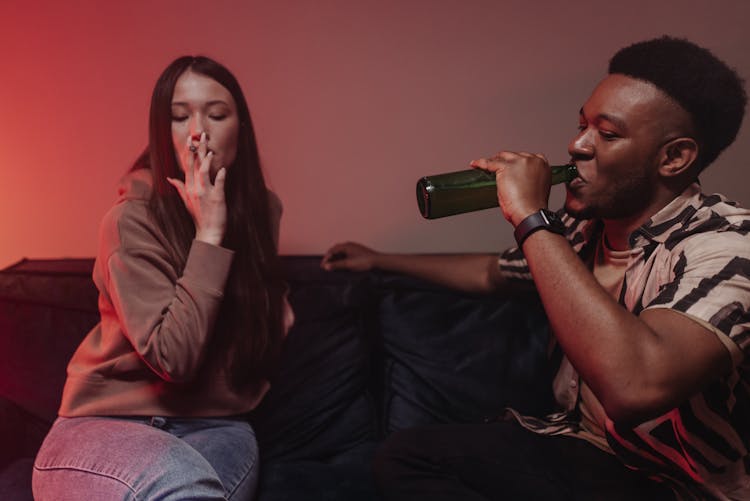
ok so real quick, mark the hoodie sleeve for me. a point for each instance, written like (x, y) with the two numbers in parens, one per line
(167, 316)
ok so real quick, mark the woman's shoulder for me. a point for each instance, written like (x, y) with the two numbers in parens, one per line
(135, 185)
(128, 221)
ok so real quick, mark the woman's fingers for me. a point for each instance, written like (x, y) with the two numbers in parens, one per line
(202, 146)
(203, 177)
(180, 187)
(197, 160)
(189, 161)
(202, 167)
(219, 181)
(198, 153)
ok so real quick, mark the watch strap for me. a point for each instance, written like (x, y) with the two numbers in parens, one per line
(543, 219)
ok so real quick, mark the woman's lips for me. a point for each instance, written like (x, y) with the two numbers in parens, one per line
(194, 149)
(197, 139)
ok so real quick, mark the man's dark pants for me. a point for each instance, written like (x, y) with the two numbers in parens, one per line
(503, 461)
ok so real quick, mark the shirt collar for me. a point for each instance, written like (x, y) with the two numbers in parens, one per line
(674, 216)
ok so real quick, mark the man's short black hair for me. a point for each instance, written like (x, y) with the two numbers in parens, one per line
(709, 90)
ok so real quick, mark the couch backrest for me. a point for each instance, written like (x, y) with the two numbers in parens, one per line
(369, 353)
(451, 357)
(321, 402)
(46, 307)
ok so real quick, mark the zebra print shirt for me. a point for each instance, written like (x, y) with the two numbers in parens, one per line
(692, 256)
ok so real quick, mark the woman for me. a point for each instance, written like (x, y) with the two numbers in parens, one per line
(192, 307)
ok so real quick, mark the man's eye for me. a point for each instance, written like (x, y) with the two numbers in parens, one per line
(608, 135)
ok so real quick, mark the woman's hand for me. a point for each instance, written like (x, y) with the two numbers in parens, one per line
(204, 201)
(349, 256)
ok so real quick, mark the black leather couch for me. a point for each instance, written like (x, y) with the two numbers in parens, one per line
(370, 353)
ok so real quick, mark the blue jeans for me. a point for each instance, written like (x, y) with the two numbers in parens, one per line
(147, 458)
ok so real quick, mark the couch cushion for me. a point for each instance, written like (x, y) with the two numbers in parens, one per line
(320, 404)
(46, 307)
(344, 477)
(21, 433)
(451, 357)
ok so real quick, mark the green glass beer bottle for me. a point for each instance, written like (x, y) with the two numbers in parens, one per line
(469, 190)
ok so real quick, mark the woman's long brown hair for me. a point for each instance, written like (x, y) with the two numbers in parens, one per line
(249, 328)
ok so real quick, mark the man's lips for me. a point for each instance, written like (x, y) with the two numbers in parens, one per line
(577, 182)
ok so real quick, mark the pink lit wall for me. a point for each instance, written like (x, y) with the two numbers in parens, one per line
(352, 100)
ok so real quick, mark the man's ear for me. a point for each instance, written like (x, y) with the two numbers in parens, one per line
(679, 155)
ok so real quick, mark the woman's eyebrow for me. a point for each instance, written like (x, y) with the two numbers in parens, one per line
(209, 103)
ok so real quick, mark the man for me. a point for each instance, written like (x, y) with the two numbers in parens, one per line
(646, 284)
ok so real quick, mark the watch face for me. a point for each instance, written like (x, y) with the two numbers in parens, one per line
(544, 219)
(555, 223)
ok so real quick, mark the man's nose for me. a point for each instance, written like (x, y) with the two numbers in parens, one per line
(581, 144)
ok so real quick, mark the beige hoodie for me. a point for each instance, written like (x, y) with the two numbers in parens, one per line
(148, 355)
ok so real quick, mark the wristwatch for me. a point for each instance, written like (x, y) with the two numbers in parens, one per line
(543, 219)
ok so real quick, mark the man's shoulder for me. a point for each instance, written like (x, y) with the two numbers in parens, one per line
(691, 214)
(714, 215)
(720, 205)
(717, 229)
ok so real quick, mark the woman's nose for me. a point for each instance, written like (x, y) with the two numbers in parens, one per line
(197, 126)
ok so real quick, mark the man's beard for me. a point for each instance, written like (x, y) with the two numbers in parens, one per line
(628, 199)
(585, 213)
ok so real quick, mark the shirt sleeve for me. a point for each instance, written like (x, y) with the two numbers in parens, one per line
(513, 264)
(711, 282)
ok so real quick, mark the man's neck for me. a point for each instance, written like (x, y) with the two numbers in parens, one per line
(618, 231)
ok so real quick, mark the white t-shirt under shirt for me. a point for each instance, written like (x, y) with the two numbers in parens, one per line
(569, 389)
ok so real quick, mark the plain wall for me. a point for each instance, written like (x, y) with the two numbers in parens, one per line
(352, 102)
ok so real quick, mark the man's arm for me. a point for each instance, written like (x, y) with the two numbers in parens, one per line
(477, 273)
(639, 367)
